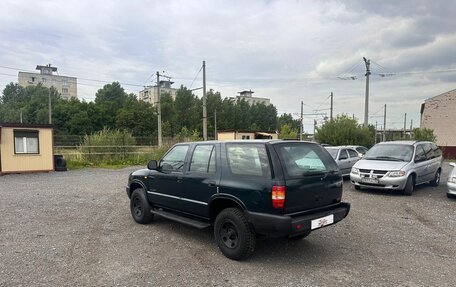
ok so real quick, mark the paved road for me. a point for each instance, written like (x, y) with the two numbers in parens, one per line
(74, 228)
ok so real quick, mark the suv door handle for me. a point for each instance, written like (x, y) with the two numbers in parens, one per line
(179, 179)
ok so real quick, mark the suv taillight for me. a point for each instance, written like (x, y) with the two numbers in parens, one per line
(278, 196)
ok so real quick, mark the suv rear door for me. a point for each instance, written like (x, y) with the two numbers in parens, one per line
(202, 179)
(311, 175)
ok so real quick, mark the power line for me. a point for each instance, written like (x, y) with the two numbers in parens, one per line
(195, 77)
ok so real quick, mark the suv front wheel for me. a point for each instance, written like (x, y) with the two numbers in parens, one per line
(233, 234)
(140, 207)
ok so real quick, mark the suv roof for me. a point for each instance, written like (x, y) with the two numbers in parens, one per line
(400, 142)
(272, 141)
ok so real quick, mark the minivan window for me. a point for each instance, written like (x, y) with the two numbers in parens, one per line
(420, 154)
(248, 159)
(174, 160)
(390, 152)
(300, 159)
(428, 151)
(436, 149)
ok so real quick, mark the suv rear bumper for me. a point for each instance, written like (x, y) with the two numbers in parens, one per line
(289, 226)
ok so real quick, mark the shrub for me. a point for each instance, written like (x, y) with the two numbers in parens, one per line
(107, 146)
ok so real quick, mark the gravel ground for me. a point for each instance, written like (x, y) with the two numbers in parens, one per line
(75, 228)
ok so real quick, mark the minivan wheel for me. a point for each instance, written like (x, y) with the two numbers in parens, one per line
(409, 186)
(233, 234)
(436, 180)
(140, 207)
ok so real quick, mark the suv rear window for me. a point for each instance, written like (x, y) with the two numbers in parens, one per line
(248, 159)
(300, 159)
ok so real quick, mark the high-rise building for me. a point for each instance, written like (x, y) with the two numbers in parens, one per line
(251, 100)
(66, 86)
(150, 93)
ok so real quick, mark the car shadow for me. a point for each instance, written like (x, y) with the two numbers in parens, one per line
(316, 249)
(418, 189)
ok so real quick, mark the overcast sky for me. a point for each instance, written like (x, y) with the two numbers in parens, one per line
(287, 51)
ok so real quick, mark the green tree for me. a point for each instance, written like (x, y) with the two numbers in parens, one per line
(287, 132)
(344, 130)
(287, 119)
(424, 134)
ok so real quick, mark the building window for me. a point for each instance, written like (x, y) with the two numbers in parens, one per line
(64, 90)
(26, 142)
(33, 79)
(245, 137)
(65, 82)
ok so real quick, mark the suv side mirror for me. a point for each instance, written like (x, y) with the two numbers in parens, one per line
(420, 158)
(452, 164)
(152, 165)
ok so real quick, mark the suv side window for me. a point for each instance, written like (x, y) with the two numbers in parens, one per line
(174, 160)
(248, 159)
(343, 154)
(419, 154)
(361, 150)
(352, 153)
(203, 159)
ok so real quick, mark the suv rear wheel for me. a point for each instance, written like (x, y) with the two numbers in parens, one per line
(233, 234)
(140, 207)
(409, 186)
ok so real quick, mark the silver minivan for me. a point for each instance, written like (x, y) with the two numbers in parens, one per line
(398, 165)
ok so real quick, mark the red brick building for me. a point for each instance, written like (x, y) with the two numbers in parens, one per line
(439, 113)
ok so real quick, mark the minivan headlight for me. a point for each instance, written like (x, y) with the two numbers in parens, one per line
(396, 173)
(355, 170)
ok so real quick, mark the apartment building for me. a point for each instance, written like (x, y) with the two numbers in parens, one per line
(66, 86)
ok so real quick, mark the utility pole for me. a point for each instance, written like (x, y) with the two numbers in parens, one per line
(366, 100)
(315, 129)
(332, 107)
(204, 103)
(300, 126)
(159, 119)
(50, 109)
(215, 124)
(20, 116)
(384, 124)
(405, 124)
(411, 129)
(375, 141)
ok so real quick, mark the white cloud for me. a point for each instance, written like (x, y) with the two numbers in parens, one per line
(286, 50)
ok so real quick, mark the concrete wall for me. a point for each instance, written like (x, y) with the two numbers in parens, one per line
(16, 163)
(439, 114)
(66, 86)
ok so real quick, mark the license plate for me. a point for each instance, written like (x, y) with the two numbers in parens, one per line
(369, 180)
(323, 221)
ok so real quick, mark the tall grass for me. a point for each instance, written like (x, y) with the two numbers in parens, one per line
(111, 148)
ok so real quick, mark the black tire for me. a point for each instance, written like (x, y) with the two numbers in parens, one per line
(409, 186)
(300, 236)
(451, 195)
(140, 207)
(233, 234)
(357, 187)
(436, 180)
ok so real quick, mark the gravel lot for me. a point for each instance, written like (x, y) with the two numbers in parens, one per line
(75, 228)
